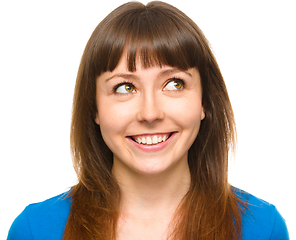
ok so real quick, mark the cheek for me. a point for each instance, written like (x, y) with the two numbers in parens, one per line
(189, 113)
(113, 120)
(108, 118)
(191, 124)
(109, 128)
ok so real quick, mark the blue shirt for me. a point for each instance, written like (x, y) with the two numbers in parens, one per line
(47, 220)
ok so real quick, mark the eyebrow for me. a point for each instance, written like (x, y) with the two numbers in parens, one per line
(172, 71)
(123, 75)
(161, 74)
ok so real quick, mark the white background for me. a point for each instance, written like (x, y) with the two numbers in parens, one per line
(41, 45)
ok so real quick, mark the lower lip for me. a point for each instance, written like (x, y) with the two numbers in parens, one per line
(155, 147)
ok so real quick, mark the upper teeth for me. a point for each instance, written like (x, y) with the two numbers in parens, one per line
(153, 140)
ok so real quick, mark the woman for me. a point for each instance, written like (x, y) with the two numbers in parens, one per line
(152, 127)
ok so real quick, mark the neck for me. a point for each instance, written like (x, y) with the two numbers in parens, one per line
(153, 193)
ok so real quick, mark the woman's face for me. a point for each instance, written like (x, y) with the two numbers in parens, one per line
(149, 118)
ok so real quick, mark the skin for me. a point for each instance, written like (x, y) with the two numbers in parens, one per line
(153, 178)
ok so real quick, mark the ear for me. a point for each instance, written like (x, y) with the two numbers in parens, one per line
(97, 120)
(203, 114)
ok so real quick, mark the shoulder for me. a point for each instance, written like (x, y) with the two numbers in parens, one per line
(260, 219)
(44, 220)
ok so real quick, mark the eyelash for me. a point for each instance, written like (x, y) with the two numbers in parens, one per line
(114, 90)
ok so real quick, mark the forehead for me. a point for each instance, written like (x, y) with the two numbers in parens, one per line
(153, 72)
(123, 66)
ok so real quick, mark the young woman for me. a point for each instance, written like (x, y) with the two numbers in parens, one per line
(152, 127)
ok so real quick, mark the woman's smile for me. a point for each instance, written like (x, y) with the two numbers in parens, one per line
(151, 139)
(149, 118)
(152, 142)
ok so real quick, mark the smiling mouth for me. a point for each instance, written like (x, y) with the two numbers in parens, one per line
(151, 139)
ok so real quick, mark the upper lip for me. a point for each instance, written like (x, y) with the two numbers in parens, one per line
(150, 134)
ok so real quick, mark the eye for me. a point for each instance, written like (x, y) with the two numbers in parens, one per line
(174, 84)
(124, 88)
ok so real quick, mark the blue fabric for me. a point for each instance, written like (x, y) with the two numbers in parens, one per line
(47, 220)
(261, 220)
(42, 221)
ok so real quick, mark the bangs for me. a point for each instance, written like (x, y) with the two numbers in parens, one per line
(156, 36)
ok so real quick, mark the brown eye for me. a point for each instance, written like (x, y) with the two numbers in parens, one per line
(129, 88)
(124, 88)
(175, 84)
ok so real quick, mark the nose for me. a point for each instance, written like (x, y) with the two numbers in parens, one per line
(150, 108)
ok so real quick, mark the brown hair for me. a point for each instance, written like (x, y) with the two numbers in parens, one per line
(160, 35)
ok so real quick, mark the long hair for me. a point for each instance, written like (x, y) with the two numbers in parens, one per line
(160, 35)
